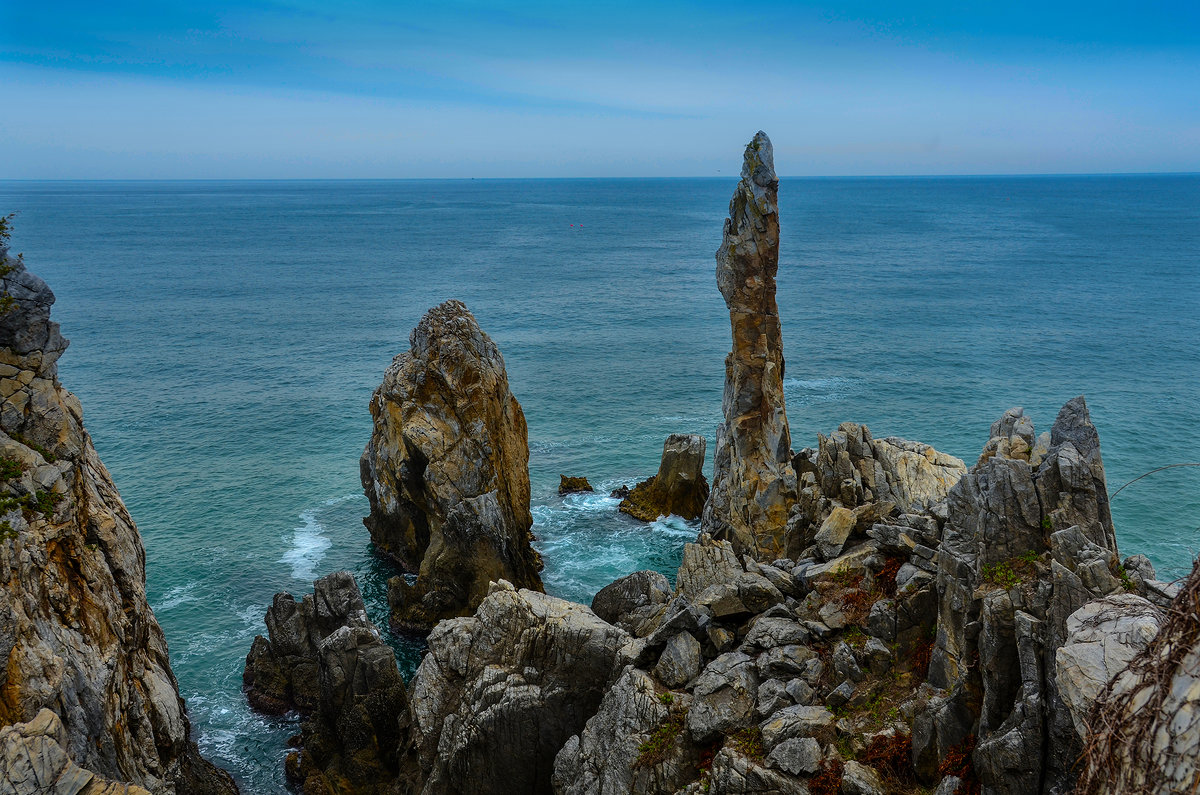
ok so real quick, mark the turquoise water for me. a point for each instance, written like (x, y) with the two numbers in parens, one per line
(226, 337)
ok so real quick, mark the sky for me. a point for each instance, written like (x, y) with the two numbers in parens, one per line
(455, 88)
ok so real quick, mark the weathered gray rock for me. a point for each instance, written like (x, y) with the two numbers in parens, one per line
(797, 757)
(33, 762)
(1144, 735)
(797, 722)
(680, 661)
(753, 481)
(281, 670)
(712, 576)
(736, 774)
(678, 488)
(78, 637)
(603, 758)
(631, 600)
(501, 691)
(724, 696)
(446, 471)
(1103, 637)
(858, 779)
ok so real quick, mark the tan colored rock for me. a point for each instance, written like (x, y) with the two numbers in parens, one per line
(33, 762)
(678, 488)
(834, 531)
(753, 481)
(447, 471)
(78, 637)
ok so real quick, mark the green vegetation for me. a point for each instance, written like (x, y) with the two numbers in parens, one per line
(666, 698)
(749, 743)
(1047, 524)
(42, 502)
(660, 743)
(1011, 573)
(42, 451)
(7, 531)
(7, 302)
(1128, 584)
(10, 468)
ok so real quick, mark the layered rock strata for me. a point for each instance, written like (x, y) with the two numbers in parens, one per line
(446, 472)
(753, 481)
(679, 487)
(78, 638)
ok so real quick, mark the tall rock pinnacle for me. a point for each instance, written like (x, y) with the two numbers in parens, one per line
(447, 471)
(753, 481)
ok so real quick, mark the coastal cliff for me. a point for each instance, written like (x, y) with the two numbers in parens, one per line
(88, 693)
(446, 472)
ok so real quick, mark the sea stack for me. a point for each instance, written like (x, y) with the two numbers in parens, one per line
(754, 484)
(447, 472)
(88, 691)
(679, 488)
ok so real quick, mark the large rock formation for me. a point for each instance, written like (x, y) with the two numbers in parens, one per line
(678, 488)
(281, 672)
(1143, 732)
(500, 691)
(753, 481)
(447, 472)
(78, 638)
(32, 760)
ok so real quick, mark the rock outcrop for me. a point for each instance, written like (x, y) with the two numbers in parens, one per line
(678, 488)
(447, 472)
(281, 672)
(32, 760)
(1143, 732)
(501, 691)
(572, 485)
(78, 638)
(753, 481)
(326, 659)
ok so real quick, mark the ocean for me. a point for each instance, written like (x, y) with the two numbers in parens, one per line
(226, 338)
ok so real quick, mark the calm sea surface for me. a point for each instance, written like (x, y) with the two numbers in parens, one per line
(226, 338)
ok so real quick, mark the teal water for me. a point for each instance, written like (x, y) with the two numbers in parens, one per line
(226, 337)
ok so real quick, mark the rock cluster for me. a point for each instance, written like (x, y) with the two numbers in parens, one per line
(78, 638)
(678, 488)
(325, 659)
(753, 481)
(446, 472)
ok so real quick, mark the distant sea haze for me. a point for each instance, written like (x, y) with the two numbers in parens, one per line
(226, 338)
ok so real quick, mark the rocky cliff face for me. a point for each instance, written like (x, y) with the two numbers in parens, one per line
(678, 488)
(78, 637)
(447, 471)
(753, 481)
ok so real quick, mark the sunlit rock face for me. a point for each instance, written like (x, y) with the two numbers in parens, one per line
(753, 481)
(447, 472)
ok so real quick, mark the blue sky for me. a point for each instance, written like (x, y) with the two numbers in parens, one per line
(293, 88)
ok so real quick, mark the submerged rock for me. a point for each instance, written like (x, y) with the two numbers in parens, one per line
(447, 472)
(753, 480)
(679, 488)
(78, 637)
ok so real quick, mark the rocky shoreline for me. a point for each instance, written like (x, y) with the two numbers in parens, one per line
(866, 616)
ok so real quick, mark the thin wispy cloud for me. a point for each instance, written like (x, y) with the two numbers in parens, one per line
(258, 89)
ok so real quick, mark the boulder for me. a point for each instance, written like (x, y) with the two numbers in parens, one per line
(500, 692)
(569, 485)
(679, 488)
(629, 601)
(446, 472)
(754, 484)
(724, 697)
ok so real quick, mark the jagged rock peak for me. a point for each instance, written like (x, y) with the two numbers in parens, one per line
(446, 471)
(79, 638)
(678, 488)
(753, 481)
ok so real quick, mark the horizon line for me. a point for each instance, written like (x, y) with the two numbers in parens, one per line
(978, 175)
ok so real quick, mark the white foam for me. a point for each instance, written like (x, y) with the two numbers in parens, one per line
(180, 594)
(308, 546)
